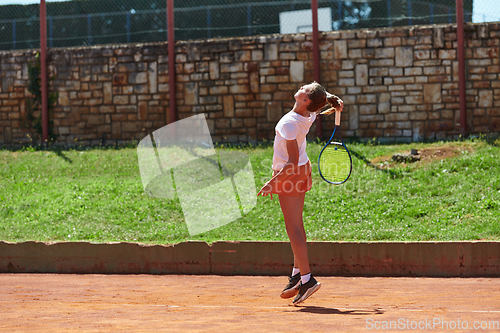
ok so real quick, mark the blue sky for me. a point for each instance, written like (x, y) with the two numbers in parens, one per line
(484, 10)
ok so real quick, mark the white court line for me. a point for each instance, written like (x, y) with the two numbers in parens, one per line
(487, 311)
(287, 306)
(450, 310)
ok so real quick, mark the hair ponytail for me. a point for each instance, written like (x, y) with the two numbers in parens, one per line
(336, 104)
(320, 98)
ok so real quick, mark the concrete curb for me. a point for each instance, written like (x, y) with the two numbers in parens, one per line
(432, 259)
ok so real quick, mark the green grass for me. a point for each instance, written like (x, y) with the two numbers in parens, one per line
(95, 194)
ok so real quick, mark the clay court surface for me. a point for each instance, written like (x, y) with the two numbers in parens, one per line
(173, 303)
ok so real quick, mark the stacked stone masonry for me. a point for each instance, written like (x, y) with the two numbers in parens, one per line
(398, 84)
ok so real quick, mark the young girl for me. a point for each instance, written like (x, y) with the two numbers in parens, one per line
(292, 179)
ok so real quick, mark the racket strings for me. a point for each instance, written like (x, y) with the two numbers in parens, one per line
(335, 163)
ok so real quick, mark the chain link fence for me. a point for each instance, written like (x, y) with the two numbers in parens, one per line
(95, 22)
(19, 27)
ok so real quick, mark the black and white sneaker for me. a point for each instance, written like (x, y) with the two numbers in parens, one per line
(292, 288)
(306, 290)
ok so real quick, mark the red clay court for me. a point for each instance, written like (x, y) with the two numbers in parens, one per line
(212, 303)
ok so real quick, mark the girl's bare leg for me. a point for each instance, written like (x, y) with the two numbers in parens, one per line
(292, 208)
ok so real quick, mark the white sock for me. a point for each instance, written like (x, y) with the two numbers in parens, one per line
(305, 278)
(295, 271)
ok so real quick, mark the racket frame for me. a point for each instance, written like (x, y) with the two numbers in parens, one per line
(337, 126)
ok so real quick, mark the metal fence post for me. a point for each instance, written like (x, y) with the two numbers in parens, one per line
(171, 60)
(389, 17)
(43, 65)
(431, 12)
(14, 35)
(461, 67)
(410, 21)
(316, 65)
(249, 20)
(209, 23)
(89, 29)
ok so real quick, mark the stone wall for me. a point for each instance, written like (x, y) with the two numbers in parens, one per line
(398, 84)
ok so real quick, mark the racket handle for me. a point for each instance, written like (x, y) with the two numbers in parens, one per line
(337, 118)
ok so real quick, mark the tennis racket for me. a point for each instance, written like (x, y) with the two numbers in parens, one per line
(334, 162)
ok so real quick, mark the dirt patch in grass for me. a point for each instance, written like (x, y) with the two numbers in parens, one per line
(427, 155)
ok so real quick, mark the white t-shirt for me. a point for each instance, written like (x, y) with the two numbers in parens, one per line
(291, 126)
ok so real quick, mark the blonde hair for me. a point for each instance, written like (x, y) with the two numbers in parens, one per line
(320, 97)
